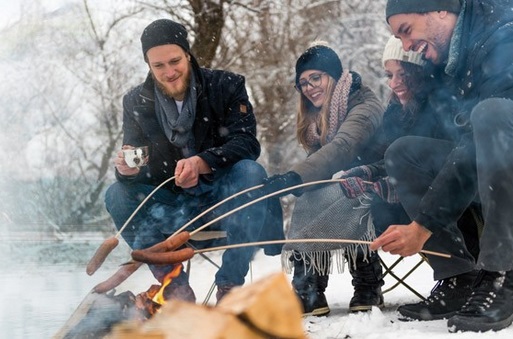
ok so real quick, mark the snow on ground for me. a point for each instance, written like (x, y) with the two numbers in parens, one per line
(340, 324)
(37, 299)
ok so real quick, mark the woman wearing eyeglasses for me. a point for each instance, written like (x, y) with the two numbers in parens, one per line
(337, 122)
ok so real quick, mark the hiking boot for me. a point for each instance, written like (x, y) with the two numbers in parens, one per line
(367, 282)
(446, 298)
(222, 291)
(490, 306)
(309, 286)
(313, 303)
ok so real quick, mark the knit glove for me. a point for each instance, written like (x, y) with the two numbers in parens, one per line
(278, 182)
(353, 187)
(364, 172)
(385, 190)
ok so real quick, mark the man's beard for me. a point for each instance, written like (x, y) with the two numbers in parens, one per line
(173, 94)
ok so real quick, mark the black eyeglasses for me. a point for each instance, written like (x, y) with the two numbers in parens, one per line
(314, 80)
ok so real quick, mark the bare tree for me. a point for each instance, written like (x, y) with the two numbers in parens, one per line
(88, 58)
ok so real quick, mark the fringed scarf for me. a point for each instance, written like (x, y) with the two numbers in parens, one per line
(337, 112)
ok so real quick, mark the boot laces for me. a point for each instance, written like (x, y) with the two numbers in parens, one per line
(485, 291)
(440, 290)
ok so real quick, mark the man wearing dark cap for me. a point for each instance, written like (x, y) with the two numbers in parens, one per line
(471, 43)
(201, 130)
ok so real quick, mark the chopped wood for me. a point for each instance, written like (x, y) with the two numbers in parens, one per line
(267, 308)
(268, 304)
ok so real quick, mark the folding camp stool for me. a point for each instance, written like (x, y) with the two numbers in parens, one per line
(400, 280)
(206, 236)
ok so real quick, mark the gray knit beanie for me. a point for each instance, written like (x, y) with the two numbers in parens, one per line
(164, 32)
(421, 6)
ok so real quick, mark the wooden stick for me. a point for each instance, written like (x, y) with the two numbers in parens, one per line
(291, 241)
(213, 207)
(328, 181)
(141, 205)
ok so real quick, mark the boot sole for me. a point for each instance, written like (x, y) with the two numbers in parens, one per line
(318, 312)
(364, 308)
(473, 324)
(423, 316)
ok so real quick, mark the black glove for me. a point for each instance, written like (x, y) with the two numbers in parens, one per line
(278, 182)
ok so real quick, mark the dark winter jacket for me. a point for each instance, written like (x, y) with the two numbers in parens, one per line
(480, 66)
(356, 141)
(224, 132)
(224, 128)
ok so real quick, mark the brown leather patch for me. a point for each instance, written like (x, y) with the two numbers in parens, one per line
(243, 109)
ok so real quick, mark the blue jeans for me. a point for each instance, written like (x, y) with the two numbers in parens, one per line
(168, 211)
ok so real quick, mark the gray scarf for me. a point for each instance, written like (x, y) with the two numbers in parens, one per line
(178, 125)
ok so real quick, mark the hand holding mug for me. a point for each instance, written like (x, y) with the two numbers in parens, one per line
(130, 159)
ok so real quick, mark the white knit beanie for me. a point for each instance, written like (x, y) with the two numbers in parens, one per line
(394, 51)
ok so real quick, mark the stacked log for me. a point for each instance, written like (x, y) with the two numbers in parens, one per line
(267, 308)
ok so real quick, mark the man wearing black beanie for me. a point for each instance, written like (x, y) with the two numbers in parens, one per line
(470, 42)
(200, 129)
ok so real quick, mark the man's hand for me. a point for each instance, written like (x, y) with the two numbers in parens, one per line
(121, 165)
(188, 170)
(165, 253)
(404, 240)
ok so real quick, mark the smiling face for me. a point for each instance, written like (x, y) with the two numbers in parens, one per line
(428, 33)
(316, 86)
(396, 76)
(170, 67)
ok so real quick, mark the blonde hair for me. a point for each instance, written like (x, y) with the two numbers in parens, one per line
(308, 114)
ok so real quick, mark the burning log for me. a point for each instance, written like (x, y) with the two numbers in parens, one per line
(267, 308)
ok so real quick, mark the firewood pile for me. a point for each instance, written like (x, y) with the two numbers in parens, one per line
(267, 308)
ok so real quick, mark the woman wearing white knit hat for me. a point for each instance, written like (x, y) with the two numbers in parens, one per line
(418, 106)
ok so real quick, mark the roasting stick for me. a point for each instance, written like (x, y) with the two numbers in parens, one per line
(262, 198)
(109, 244)
(291, 241)
(213, 207)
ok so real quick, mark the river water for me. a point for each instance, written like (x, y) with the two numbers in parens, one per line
(42, 284)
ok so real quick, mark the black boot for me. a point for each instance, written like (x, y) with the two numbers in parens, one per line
(490, 306)
(309, 287)
(446, 298)
(367, 282)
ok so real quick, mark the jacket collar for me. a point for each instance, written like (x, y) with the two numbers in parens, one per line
(455, 45)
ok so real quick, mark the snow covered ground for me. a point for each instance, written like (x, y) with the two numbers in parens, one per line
(37, 299)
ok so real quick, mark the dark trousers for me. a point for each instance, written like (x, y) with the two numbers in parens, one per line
(414, 162)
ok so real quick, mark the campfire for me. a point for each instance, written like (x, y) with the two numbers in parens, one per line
(148, 303)
(268, 308)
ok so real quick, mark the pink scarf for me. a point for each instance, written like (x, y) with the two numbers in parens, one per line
(337, 112)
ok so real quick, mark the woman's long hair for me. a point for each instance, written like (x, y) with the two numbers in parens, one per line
(308, 114)
(420, 83)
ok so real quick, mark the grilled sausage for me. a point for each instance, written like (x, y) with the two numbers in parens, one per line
(101, 254)
(121, 275)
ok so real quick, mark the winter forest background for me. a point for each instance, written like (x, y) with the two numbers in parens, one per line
(65, 70)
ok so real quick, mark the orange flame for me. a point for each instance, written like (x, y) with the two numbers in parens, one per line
(159, 296)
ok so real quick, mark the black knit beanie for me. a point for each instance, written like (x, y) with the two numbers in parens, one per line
(163, 32)
(322, 58)
(421, 6)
